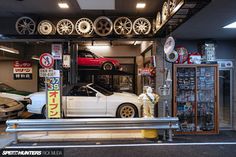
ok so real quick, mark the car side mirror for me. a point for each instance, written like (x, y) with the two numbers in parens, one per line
(98, 95)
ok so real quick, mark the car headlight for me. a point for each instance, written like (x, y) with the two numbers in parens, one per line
(28, 100)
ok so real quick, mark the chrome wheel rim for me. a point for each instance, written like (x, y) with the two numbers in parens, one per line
(25, 25)
(84, 26)
(127, 112)
(65, 27)
(46, 27)
(123, 26)
(141, 26)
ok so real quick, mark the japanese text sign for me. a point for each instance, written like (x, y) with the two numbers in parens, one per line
(49, 73)
(57, 51)
(22, 70)
(53, 97)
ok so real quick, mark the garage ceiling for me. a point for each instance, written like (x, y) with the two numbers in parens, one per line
(17, 8)
(209, 21)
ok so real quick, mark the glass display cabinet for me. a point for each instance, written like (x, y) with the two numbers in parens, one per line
(195, 103)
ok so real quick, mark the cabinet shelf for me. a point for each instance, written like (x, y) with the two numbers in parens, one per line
(204, 119)
(185, 76)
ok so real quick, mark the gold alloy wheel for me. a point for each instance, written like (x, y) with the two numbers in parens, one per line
(127, 111)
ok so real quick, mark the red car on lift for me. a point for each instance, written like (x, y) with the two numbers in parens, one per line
(87, 59)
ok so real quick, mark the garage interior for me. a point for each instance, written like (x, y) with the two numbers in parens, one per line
(189, 26)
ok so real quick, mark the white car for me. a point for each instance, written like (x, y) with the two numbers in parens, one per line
(90, 100)
(9, 92)
(10, 108)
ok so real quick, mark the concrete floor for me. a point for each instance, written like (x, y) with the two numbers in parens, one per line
(79, 136)
(5, 138)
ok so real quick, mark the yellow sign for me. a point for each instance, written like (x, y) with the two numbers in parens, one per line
(54, 104)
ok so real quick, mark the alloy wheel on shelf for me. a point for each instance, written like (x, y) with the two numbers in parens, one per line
(65, 27)
(25, 25)
(123, 26)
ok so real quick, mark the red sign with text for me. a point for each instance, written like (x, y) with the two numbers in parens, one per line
(22, 70)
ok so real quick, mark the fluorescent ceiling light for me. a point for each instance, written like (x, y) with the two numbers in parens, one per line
(96, 4)
(232, 25)
(140, 5)
(8, 49)
(63, 5)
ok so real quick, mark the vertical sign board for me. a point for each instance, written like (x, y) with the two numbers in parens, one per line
(57, 51)
(22, 70)
(52, 86)
(53, 97)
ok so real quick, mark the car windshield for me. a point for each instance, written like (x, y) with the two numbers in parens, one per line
(5, 88)
(101, 90)
(83, 53)
(97, 56)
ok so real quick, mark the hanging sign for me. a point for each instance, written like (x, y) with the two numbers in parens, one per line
(53, 97)
(22, 70)
(49, 73)
(46, 60)
(66, 61)
(57, 51)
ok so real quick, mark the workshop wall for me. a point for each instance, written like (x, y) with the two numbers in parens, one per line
(115, 51)
(6, 76)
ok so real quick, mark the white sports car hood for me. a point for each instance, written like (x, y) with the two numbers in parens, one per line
(124, 97)
(37, 94)
(12, 96)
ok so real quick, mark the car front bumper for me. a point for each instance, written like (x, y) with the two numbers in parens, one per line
(11, 114)
(33, 109)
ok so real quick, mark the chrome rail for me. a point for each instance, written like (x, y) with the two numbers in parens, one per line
(36, 125)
